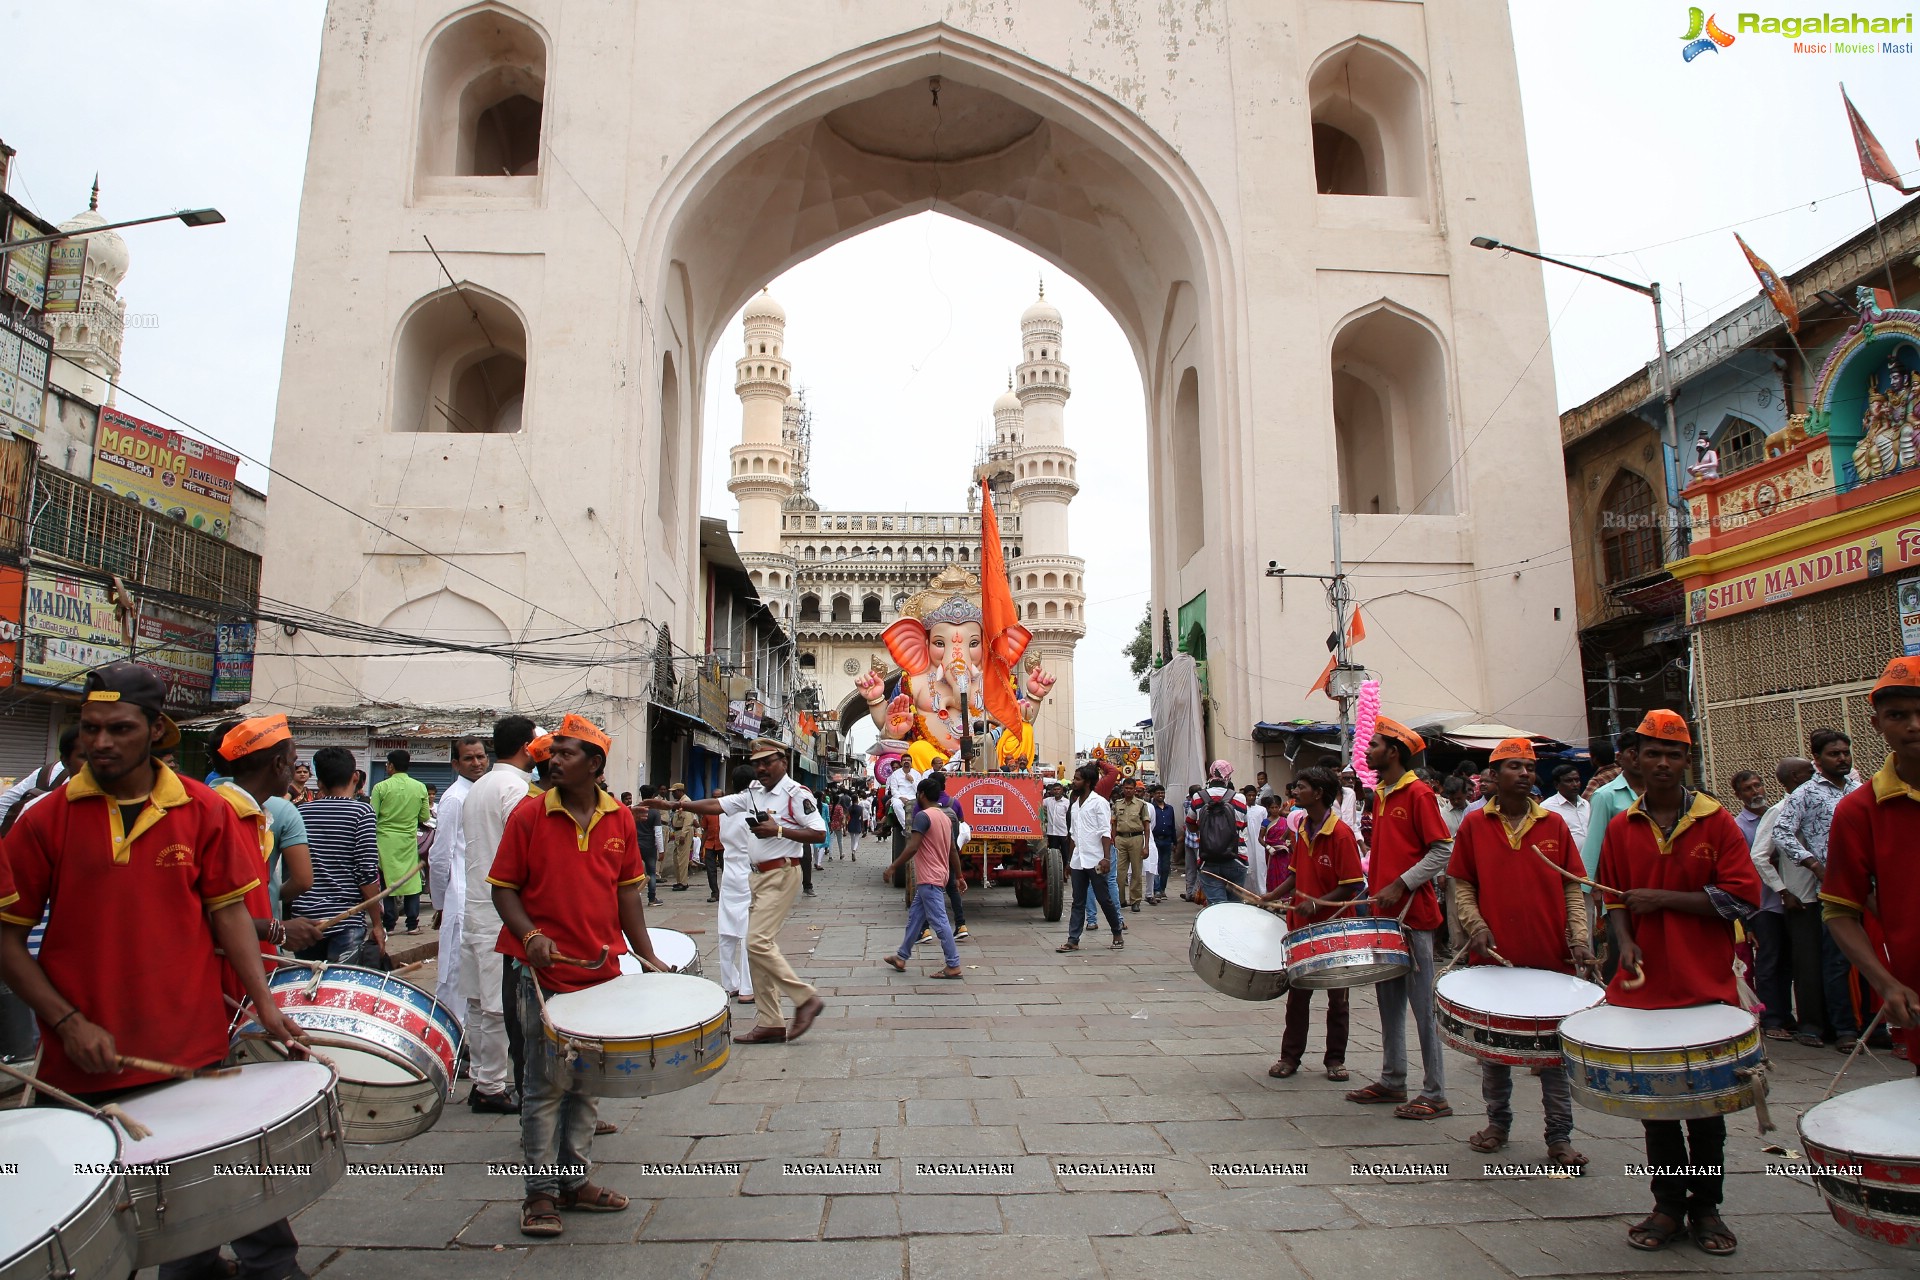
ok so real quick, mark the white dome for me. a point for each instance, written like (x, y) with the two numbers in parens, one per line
(1007, 403)
(795, 402)
(1041, 312)
(106, 251)
(763, 307)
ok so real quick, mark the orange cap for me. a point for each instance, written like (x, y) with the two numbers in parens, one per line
(584, 730)
(254, 735)
(1665, 726)
(1901, 673)
(1513, 749)
(540, 750)
(1387, 728)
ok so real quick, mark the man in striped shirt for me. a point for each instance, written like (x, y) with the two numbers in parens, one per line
(345, 853)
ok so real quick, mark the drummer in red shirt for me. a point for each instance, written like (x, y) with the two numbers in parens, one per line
(1514, 904)
(1680, 875)
(1411, 844)
(568, 880)
(1326, 865)
(1871, 862)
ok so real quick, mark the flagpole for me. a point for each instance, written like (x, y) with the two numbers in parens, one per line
(1886, 263)
(1855, 123)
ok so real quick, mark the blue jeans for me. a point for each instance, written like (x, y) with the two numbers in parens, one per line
(1165, 849)
(1113, 890)
(337, 941)
(393, 907)
(1414, 990)
(930, 908)
(1556, 1098)
(1834, 968)
(557, 1113)
(1232, 870)
(1083, 880)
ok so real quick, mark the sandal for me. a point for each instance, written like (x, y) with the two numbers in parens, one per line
(1337, 1071)
(896, 963)
(587, 1198)
(1488, 1140)
(1777, 1033)
(1283, 1069)
(1118, 942)
(1422, 1109)
(538, 1217)
(1808, 1039)
(948, 974)
(1563, 1154)
(1649, 1236)
(1376, 1092)
(1707, 1227)
(1071, 946)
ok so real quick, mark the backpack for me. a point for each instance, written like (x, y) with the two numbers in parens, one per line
(1219, 831)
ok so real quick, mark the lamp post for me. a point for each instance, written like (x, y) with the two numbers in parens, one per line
(1651, 291)
(192, 217)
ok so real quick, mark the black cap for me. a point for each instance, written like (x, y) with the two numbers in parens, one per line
(131, 682)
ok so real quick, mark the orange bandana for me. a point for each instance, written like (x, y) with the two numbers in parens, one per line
(1512, 749)
(1665, 726)
(254, 735)
(584, 730)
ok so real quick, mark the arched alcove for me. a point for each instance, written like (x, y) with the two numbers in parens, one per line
(483, 95)
(460, 365)
(1369, 122)
(1392, 416)
(443, 679)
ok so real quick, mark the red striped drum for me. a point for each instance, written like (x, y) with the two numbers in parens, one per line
(1865, 1149)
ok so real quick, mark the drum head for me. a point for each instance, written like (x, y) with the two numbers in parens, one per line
(368, 1068)
(636, 1005)
(195, 1115)
(674, 948)
(1881, 1121)
(1519, 993)
(1243, 934)
(47, 1143)
(1616, 1027)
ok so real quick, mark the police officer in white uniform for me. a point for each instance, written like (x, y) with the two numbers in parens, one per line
(786, 819)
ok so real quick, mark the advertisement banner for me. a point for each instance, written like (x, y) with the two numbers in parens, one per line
(178, 649)
(25, 356)
(68, 628)
(165, 471)
(66, 269)
(1907, 595)
(1889, 547)
(16, 495)
(999, 806)
(26, 271)
(233, 663)
(13, 590)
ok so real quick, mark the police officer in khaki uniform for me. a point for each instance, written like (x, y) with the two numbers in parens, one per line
(1132, 825)
(682, 830)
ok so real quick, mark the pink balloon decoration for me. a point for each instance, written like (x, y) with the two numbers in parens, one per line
(1366, 716)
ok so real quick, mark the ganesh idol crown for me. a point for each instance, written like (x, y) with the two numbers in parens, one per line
(942, 649)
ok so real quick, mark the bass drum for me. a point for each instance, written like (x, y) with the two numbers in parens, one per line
(1240, 950)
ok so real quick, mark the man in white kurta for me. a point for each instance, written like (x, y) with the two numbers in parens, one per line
(447, 867)
(742, 849)
(483, 817)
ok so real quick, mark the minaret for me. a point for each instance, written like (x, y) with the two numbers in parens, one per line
(763, 465)
(1044, 483)
(89, 339)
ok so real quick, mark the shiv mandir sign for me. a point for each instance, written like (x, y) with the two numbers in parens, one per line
(1894, 546)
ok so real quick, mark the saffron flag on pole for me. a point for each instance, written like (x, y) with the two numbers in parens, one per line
(1773, 286)
(997, 617)
(1356, 630)
(1320, 685)
(1875, 164)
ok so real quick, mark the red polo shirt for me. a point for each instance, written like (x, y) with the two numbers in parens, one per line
(1688, 958)
(1406, 822)
(257, 831)
(8, 894)
(1873, 853)
(1323, 863)
(127, 939)
(1523, 900)
(568, 878)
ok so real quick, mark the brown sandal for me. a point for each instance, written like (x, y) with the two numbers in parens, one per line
(587, 1198)
(1376, 1092)
(1283, 1069)
(1337, 1071)
(1649, 1236)
(538, 1217)
(1563, 1154)
(1488, 1140)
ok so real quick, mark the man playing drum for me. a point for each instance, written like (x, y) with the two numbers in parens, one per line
(1509, 897)
(1680, 874)
(1870, 857)
(1326, 865)
(1411, 844)
(143, 874)
(568, 882)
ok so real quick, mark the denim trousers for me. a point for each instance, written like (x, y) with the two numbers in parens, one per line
(557, 1114)
(1556, 1097)
(393, 907)
(650, 857)
(338, 940)
(930, 909)
(1834, 970)
(1165, 850)
(1395, 996)
(1084, 880)
(1771, 980)
(1113, 890)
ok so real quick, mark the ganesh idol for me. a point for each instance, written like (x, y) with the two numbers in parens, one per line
(941, 646)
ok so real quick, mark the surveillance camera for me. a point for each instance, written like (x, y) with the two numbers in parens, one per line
(1275, 569)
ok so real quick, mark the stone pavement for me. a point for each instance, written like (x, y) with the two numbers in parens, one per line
(1039, 1066)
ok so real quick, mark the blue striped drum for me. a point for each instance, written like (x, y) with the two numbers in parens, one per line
(1663, 1064)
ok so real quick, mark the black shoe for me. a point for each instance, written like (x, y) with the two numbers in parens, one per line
(503, 1102)
(678, 888)
(713, 897)
(808, 892)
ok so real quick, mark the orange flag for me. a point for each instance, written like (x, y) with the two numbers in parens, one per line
(1875, 164)
(997, 614)
(1356, 630)
(1773, 286)
(1320, 685)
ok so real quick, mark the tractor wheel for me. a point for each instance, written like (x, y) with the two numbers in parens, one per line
(1028, 893)
(1056, 884)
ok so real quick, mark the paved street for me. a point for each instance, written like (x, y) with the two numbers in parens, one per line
(1035, 1063)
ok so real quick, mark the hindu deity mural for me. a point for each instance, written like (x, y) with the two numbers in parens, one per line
(1872, 370)
(941, 646)
(1891, 423)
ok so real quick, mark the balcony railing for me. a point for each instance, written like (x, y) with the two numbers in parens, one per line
(85, 525)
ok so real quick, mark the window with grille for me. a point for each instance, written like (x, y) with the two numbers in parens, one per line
(1629, 529)
(1741, 445)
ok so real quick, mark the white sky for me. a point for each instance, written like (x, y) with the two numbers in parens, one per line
(1642, 165)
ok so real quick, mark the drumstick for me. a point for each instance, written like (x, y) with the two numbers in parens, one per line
(1252, 898)
(408, 968)
(1638, 980)
(111, 1112)
(1858, 1045)
(130, 1063)
(364, 903)
(584, 964)
(1594, 884)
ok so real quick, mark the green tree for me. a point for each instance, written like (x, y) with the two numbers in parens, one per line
(1139, 651)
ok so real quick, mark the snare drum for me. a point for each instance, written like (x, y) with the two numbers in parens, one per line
(1240, 950)
(61, 1216)
(675, 949)
(393, 1088)
(229, 1156)
(1876, 1131)
(1347, 953)
(1662, 1064)
(1510, 1016)
(641, 1034)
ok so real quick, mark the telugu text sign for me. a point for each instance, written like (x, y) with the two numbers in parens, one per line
(68, 628)
(166, 472)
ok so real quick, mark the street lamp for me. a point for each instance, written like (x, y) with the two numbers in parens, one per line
(1651, 291)
(192, 217)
